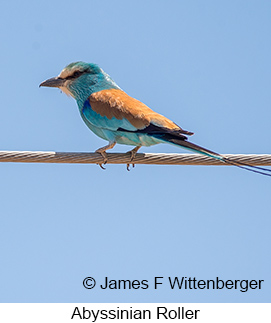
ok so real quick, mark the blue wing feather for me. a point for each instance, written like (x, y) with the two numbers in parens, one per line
(99, 121)
(108, 129)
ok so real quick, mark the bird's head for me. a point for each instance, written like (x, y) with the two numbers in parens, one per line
(80, 80)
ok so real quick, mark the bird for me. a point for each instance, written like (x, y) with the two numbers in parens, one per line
(115, 116)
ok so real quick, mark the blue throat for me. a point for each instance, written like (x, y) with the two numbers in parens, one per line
(87, 85)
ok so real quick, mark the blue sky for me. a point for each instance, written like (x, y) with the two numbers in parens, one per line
(205, 65)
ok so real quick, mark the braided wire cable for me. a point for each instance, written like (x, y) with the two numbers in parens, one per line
(125, 158)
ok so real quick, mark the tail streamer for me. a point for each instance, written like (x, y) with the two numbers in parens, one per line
(251, 168)
(191, 146)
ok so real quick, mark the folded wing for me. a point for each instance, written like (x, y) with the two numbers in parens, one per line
(115, 110)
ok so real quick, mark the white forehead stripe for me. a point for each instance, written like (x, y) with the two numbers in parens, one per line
(67, 72)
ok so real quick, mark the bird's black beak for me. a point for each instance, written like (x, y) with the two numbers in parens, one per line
(53, 82)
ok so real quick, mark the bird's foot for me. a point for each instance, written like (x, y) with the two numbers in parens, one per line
(133, 154)
(102, 151)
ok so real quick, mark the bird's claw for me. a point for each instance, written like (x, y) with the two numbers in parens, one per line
(133, 154)
(132, 158)
(128, 167)
(102, 151)
(101, 165)
(104, 161)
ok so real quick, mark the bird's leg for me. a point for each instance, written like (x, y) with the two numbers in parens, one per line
(102, 151)
(133, 153)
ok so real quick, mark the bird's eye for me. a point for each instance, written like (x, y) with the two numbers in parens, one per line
(76, 74)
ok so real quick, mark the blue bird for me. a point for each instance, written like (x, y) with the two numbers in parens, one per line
(118, 118)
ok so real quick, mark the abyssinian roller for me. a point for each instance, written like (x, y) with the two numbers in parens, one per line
(118, 118)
